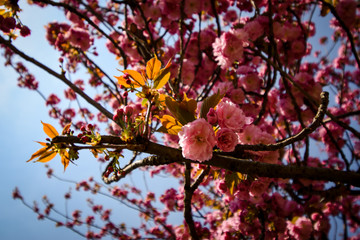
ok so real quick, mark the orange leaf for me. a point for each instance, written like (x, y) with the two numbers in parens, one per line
(38, 153)
(47, 156)
(163, 76)
(153, 67)
(42, 143)
(162, 81)
(171, 124)
(64, 158)
(50, 130)
(66, 129)
(136, 79)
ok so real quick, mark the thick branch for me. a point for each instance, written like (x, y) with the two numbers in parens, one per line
(167, 155)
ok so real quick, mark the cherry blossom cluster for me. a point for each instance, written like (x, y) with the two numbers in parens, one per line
(266, 62)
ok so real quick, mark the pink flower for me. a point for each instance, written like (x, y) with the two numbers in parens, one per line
(226, 140)
(229, 47)
(301, 229)
(79, 37)
(251, 82)
(230, 115)
(237, 95)
(211, 116)
(346, 9)
(254, 29)
(258, 187)
(197, 140)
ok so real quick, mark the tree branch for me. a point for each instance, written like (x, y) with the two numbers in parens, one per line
(187, 201)
(75, 11)
(167, 155)
(57, 75)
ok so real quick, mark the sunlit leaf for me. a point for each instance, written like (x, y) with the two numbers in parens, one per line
(170, 125)
(163, 76)
(64, 158)
(42, 143)
(137, 80)
(38, 153)
(162, 80)
(153, 67)
(47, 156)
(216, 174)
(50, 130)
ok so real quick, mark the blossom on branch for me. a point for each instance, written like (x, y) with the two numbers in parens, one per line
(197, 140)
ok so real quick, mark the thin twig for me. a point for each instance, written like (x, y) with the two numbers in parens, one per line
(59, 76)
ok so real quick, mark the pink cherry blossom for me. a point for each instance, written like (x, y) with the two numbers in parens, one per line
(229, 47)
(226, 140)
(237, 95)
(211, 116)
(79, 37)
(254, 30)
(197, 140)
(251, 82)
(301, 229)
(347, 12)
(230, 115)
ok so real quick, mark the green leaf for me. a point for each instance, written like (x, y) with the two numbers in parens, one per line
(210, 102)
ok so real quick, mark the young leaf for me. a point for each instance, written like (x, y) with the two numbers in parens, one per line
(163, 76)
(38, 153)
(64, 158)
(136, 79)
(183, 111)
(185, 116)
(47, 156)
(170, 125)
(42, 143)
(153, 67)
(188, 104)
(210, 102)
(49, 130)
(162, 79)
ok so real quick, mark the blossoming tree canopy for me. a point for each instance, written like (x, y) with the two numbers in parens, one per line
(228, 97)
